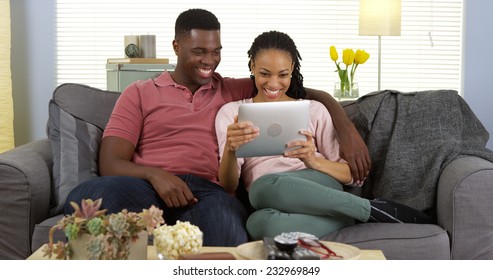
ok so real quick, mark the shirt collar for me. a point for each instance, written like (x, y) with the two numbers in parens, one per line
(165, 80)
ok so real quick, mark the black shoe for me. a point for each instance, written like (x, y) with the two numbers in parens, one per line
(386, 211)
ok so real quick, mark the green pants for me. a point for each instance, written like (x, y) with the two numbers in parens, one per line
(304, 200)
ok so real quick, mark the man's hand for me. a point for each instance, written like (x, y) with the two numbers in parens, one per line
(115, 159)
(171, 189)
(353, 149)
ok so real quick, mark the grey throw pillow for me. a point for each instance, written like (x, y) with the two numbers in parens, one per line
(77, 117)
(75, 146)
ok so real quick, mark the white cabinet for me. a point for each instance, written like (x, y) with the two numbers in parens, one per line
(119, 76)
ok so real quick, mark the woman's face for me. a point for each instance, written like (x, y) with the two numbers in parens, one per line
(272, 69)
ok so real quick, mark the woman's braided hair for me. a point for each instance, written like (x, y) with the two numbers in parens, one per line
(280, 41)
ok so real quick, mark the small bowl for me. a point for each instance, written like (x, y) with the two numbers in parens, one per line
(285, 244)
(180, 239)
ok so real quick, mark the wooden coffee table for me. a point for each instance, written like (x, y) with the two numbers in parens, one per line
(152, 255)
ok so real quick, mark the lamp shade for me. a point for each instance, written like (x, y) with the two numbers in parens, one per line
(380, 17)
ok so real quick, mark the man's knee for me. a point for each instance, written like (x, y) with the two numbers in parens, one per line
(117, 193)
(229, 209)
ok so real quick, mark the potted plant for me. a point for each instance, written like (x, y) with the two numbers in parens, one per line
(104, 237)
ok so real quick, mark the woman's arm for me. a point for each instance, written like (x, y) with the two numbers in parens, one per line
(352, 147)
(338, 170)
(229, 176)
(237, 134)
(230, 136)
(306, 153)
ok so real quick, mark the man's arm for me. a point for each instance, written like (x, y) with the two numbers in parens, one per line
(352, 147)
(115, 159)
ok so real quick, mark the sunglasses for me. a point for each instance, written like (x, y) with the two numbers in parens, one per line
(318, 247)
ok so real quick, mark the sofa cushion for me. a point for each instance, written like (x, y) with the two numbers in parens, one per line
(75, 144)
(350, 108)
(42, 232)
(77, 117)
(397, 241)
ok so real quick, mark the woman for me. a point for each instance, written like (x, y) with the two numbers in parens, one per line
(301, 190)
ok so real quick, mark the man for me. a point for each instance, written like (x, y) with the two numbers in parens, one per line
(159, 146)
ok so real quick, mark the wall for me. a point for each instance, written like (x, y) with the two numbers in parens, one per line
(33, 67)
(478, 60)
(6, 100)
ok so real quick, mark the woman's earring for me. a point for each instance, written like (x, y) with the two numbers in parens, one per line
(252, 76)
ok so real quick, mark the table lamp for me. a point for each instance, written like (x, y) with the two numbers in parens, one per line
(380, 18)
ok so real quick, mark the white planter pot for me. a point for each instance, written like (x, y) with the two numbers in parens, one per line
(138, 248)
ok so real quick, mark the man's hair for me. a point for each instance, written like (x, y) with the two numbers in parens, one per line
(195, 19)
(280, 41)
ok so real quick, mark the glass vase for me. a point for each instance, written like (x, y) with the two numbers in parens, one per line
(346, 90)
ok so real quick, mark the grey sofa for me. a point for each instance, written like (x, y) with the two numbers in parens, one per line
(32, 190)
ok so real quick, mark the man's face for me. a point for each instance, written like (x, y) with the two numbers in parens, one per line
(198, 57)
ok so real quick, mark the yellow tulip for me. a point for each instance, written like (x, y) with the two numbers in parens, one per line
(361, 57)
(351, 59)
(348, 56)
(333, 53)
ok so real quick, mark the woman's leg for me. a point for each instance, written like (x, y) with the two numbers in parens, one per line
(307, 192)
(269, 222)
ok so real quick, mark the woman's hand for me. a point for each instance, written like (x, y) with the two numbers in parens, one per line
(239, 133)
(305, 151)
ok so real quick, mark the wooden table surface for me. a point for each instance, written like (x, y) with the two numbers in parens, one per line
(152, 255)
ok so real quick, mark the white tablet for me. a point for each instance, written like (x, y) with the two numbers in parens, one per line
(279, 124)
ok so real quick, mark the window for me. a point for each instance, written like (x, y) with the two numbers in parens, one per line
(427, 55)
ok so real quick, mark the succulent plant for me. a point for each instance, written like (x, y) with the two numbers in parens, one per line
(110, 234)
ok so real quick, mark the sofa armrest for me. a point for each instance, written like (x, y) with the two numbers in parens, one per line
(25, 190)
(464, 196)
